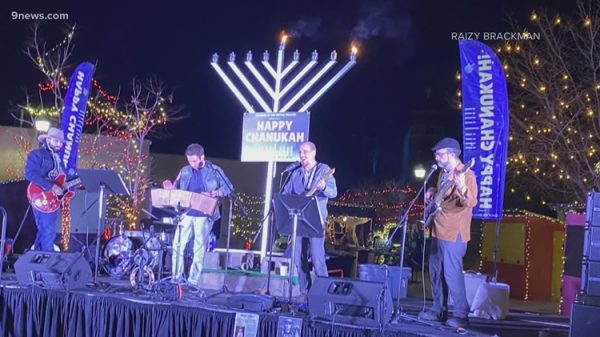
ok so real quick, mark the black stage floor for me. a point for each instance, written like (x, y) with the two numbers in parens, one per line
(113, 308)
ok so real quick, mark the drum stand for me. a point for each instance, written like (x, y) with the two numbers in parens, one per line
(143, 258)
(178, 217)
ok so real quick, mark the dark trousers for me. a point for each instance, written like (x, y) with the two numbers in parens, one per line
(46, 229)
(446, 272)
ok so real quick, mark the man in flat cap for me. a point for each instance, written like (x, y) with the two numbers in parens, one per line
(42, 168)
(456, 193)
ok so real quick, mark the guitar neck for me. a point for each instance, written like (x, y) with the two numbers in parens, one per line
(327, 175)
(72, 183)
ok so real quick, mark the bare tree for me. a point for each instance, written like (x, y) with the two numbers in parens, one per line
(554, 90)
(52, 62)
(145, 114)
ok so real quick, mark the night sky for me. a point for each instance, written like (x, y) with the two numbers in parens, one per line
(404, 78)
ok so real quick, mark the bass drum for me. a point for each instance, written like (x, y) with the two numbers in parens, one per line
(122, 253)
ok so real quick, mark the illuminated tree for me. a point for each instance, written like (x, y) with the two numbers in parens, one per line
(554, 90)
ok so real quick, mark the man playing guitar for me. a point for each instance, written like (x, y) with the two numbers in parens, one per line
(311, 178)
(456, 193)
(42, 168)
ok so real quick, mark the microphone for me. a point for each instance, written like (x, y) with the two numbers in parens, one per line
(292, 167)
(433, 168)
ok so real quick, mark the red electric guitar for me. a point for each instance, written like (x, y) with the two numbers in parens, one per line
(48, 201)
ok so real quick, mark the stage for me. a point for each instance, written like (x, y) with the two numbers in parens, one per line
(114, 308)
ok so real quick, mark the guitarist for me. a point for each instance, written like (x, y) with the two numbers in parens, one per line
(43, 166)
(451, 230)
(307, 176)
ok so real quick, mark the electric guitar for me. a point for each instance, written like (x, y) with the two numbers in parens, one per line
(435, 206)
(326, 176)
(48, 201)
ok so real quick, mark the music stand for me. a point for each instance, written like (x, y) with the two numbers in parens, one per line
(99, 181)
(297, 215)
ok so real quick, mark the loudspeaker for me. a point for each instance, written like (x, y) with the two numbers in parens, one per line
(590, 278)
(591, 244)
(53, 270)
(584, 321)
(592, 212)
(251, 302)
(350, 301)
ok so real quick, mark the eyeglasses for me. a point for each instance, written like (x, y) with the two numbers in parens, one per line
(441, 153)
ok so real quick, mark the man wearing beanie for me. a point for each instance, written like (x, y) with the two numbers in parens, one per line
(451, 230)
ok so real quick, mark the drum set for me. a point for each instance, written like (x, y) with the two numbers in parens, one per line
(142, 254)
(133, 251)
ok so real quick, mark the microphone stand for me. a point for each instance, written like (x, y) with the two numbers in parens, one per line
(271, 225)
(2, 240)
(404, 224)
(262, 223)
(233, 199)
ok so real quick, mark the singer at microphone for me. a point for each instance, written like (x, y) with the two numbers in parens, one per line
(455, 196)
(316, 178)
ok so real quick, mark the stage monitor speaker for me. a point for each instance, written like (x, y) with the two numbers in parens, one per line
(350, 301)
(55, 270)
(584, 320)
(251, 302)
(590, 278)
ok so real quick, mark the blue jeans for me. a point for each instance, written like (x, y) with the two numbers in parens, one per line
(46, 229)
(317, 254)
(446, 272)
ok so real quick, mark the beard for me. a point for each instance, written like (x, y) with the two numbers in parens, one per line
(54, 148)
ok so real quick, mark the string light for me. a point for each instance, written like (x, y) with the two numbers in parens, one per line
(512, 216)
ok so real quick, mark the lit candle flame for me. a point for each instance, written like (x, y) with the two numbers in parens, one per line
(284, 38)
(353, 54)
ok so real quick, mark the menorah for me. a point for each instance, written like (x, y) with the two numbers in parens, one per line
(278, 92)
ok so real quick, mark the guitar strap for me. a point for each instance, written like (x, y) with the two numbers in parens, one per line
(57, 170)
(308, 181)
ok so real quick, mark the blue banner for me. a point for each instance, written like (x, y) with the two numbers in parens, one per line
(74, 114)
(485, 124)
(274, 136)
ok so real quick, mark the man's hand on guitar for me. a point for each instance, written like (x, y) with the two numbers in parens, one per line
(459, 181)
(57, 190)
(321, 185)
(429, 194)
